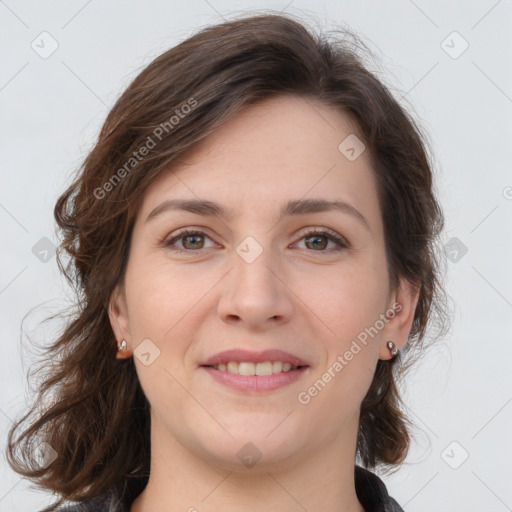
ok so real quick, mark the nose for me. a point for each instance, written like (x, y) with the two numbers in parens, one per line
(256, 293)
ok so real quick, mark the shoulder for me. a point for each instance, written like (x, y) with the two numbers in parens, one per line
(372, 493)
(115, 499)
(106, 502)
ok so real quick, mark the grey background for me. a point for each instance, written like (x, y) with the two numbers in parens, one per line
(51, 112)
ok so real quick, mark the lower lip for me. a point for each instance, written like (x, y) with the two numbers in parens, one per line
(258, 383)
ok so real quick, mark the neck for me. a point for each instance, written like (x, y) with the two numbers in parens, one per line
(317, 481)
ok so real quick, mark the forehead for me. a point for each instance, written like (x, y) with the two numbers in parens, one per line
(280, 149)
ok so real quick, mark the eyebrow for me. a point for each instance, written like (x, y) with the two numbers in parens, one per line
(295, 207)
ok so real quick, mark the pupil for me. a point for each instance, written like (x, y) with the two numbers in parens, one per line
(192, 237)
(316, 238)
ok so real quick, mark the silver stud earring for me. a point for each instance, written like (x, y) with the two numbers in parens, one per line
(123, 345)
(392, 348)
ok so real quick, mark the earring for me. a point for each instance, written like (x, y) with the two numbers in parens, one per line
(392, 348)
(122, 352)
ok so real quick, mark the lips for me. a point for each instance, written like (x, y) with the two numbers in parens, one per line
(240, 355)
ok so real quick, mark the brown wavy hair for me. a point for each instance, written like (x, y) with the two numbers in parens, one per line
(96, 416)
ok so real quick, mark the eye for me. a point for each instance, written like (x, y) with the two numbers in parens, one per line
(316, 235)
(193, 239)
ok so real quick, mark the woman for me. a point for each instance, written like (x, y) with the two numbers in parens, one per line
(253, 240)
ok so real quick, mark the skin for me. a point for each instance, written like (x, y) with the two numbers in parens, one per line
(299, 295)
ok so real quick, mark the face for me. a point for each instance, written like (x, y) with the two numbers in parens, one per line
(311, 283)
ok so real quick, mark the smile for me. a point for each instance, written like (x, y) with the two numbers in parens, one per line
(249, 368)
(245, 379)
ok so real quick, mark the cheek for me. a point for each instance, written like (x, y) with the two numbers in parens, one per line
(349, 302)
(349, 307)
(161, 295)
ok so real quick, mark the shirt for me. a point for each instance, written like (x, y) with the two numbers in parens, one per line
(370, 489)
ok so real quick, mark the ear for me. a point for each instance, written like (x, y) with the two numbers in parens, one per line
(400, 317)
(118, 316)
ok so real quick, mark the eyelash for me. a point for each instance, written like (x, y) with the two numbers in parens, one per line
(331, 235)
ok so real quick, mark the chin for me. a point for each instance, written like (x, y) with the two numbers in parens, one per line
(253, 450)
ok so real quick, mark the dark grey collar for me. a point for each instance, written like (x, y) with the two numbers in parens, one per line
(372, 493)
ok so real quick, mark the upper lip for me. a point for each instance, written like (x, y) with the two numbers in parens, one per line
(240, 355)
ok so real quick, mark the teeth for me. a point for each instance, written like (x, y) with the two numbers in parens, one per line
(247, 368)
